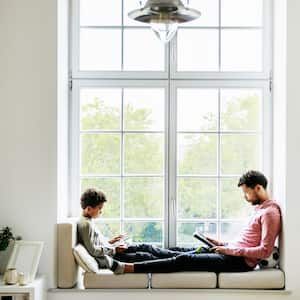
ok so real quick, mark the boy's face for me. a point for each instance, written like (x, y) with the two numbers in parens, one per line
(95, 212)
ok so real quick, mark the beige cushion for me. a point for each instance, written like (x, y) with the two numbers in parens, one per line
(106, 279)
(67, 269)
(188, 280)
(84, 259)
(257, 279)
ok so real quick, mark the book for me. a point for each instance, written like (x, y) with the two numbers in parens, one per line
(199, 236)
(126, 240)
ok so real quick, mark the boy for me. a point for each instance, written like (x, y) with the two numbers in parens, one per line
(102, 248)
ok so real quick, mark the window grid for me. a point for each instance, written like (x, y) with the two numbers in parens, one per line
(216, 79)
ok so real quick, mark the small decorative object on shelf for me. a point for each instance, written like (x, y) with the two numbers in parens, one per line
(10, 276)
(5, 237)
(7, 240)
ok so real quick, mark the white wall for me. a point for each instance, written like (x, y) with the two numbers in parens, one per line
(28, 142)
(28, 113)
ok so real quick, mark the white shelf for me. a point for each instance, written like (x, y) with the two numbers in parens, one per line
(33, 291)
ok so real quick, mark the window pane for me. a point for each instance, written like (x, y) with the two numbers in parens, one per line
(109, 229)
(185, 232)
(111, 188)
(142, 51)
(241, 109)
(144, 197)
(239, 153)
(231, 231)
(197, 109)
(197, 198)
(246, 55)
(100, 109)
(100, 154)
(242, 12)
(147, 232)
(100, 49)
(144, 109)
(209, 13)
(130, 5)
(197, 154)
(144, 153)
(198, 50)
(100, 13)
(233, 204)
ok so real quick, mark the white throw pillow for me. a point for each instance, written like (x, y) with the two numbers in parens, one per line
(84, 259)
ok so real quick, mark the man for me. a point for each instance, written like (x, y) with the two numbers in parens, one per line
(255, 242)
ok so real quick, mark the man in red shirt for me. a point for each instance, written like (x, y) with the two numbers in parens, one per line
(255, 242)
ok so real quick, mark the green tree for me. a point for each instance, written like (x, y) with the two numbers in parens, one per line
(143, 153)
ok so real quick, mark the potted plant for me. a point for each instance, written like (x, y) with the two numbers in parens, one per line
(5, 237)
(6, 246)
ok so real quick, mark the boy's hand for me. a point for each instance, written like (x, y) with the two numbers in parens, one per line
(116, 238)
(121, 248)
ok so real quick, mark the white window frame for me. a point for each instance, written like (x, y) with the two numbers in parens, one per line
(170, 79)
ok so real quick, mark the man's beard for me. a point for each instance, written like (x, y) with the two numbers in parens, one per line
(257, 200)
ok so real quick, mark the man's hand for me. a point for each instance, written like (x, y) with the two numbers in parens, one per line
(219, 249)
(216, 242)
(121, 248)
(116, 238)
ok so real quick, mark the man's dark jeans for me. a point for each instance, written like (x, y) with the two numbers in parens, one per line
(145, 252)
(194, 262)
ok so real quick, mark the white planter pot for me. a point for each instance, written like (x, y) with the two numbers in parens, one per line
(4, 256)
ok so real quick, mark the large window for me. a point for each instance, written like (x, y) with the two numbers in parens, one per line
(166, 130)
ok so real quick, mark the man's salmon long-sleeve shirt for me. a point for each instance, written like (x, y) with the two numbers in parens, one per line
(258, 238)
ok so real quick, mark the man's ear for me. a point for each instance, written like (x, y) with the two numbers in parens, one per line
(258, 188)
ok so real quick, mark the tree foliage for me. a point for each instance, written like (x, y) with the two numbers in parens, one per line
(142, 154)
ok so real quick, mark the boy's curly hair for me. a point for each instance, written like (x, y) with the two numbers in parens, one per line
(92, 197)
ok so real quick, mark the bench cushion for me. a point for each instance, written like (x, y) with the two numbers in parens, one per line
(257, 279)
(67, 268)
(185, 280)
(106, 279)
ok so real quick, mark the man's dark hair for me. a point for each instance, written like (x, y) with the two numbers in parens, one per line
(92, 197)
(252, 178)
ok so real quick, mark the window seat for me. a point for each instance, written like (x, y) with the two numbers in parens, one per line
(105, 279)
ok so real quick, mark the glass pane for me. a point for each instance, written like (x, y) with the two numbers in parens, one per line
(246, 55)
(242, 12)
(130, 5)
(185, 232)
(197, 198)
(231, 231)
(209, 13)
(100, 108)
(147, 232)
(111, 188)
(241, 109)
(144, 197)
(144, 153)
(100, 13)
(239, 153)
(197, 154)
(198, 49)
(100, 154)
(197, 109)
(109, 229)
(143, 51)
(100, 49)
(233, 204)
(144, 109)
